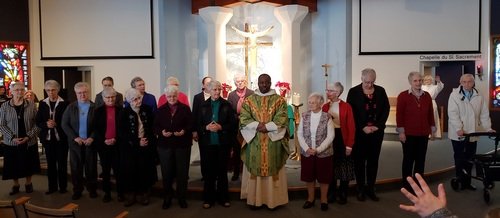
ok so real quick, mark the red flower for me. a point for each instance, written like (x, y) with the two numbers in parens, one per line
(283, 85)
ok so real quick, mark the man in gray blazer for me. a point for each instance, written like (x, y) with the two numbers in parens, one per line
(236, 99)
(77, 124)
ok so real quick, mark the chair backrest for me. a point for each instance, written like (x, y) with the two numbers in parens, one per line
(123, 214)
(68, 210)
(8, 207)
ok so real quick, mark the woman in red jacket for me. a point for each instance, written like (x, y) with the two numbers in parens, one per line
(343, 122)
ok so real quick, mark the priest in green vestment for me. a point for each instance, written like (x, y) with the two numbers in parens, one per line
(264, 126)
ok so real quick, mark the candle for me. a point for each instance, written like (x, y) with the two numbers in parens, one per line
(296, 99)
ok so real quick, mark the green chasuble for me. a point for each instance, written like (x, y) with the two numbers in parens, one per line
(263, 156)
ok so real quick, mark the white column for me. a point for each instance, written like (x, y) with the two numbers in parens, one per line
(290, 17)
(216, 19)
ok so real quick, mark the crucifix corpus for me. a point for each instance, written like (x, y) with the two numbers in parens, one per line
(250, 44)
(326, 66)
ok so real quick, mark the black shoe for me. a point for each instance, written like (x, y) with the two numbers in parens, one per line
(225, 204)
(253, 207)
(15, 190)
(76, 196)
(373, 196)
(62, 191)
(145, 200)
(361, 196)
(29, 188)
(93, 194)
(308, 204)
(166, 203)
(106, 198)
(332, 199)
(324, 206)
(129, 202)
(469, 187)
(206, 205)
(183, 204)
(120, 198)
(342, 199)
(50, 191)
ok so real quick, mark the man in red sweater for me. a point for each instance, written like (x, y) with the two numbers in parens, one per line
(415, 121)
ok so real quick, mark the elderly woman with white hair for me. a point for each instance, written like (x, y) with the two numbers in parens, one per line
(345, 130)
(80, 135)
(173, 126)
(18, 126)
(216, 126)
(182, 98)
(106, 119)
(315, 136)
(138, 149)
(53, 138)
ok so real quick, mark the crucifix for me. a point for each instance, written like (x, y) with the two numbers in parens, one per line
(250, 44)
(326, 66)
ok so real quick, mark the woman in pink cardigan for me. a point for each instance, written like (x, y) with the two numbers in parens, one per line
(343, 122)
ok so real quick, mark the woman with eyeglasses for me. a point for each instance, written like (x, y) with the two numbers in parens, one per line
(18, 126)
(343, 123)
(370, 106)
(138, 149)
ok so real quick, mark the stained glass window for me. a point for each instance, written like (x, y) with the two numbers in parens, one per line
(496, 73)
(14, 63)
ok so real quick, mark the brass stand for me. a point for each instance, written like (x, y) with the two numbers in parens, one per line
(295, 155)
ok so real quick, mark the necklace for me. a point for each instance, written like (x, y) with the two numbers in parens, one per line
(417, 100)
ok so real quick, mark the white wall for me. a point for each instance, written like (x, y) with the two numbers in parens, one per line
(392, 70)
(330, 42)
(121, 70)
(181, 43)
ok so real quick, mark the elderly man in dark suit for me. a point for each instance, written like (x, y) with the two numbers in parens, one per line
(82, 152)
(236, 99)
(197, 100)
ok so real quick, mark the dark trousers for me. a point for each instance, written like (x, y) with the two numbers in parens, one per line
(56, 153)
(175, 165)
(235, 158)
(338, 154)
(215, 162)
(366, 152)
(463, 153)
(109, 159)
(414, 151)
(202, 157)
(83, 159)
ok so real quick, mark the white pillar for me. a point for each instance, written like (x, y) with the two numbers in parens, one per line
(216, 19)
(290, 17)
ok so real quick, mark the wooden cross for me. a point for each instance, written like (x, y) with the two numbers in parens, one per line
(246, 45)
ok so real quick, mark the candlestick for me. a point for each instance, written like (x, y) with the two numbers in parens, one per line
(296, 99)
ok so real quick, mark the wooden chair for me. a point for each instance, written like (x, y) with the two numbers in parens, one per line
(31, 210)
(123, 214)
(8, 208)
